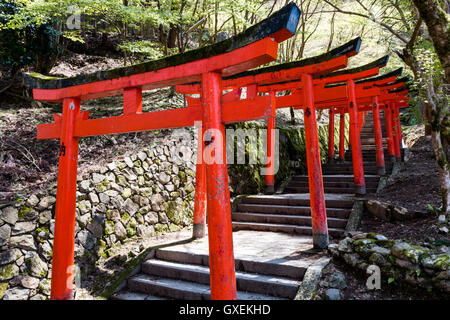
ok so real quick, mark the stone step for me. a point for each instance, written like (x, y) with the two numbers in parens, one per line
(285, 219)
(338, 178)
(271, 268)
(289, 201)
(332, 184)
(329, 190)
(366, 165)
(247, 282)
(129, 295)
(290, 210)
(282, 228)
(370, 171)
(181, 290)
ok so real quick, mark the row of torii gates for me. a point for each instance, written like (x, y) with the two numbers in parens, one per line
(312, 83)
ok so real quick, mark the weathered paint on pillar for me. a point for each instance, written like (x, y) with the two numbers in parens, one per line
(199, 229)
(331, 136)
(398, 154)
(355, 138)
(390, 137)
(270, 177)
(360, 121)
(315, 180)
(132, 101)
(342, 137)
(64, 241)
(399, 128)
(381, 171)
(220, 237)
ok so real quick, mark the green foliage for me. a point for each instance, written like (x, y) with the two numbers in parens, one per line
(24, 39)
(141, 50)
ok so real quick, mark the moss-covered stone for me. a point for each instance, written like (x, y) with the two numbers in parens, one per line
(126, 193)
(3, 288)
(125, 217)
(102, 186)
(131, 227)
(173, 227)
(178, 212)
(26, 213)
(109, 227)
(8, 271)
(42, 234)
(182, 176)
(161, 228)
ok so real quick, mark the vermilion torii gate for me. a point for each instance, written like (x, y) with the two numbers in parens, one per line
(255, 46)
(268, 82)
(263, 107)
(386, 83)
(330, 96)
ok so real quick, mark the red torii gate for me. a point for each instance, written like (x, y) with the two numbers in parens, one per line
(366, 94)
(386, 83)
(263, 107)
(255, 46)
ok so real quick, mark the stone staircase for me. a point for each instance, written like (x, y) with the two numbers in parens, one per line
(289, 213)
(271, 236)
(338, 176)
(264, 270)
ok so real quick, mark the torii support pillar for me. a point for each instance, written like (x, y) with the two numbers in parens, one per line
(355, 139)
(315, 180)
(331, 136)
(220, 237)
(399, 129)
(381, 171)
(64, 241)
(270, 177)
(390, 136)
(398, 154)
(199, 229)
(342, 137)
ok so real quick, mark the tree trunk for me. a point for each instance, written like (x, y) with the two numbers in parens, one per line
(438, 27)
(439, 125)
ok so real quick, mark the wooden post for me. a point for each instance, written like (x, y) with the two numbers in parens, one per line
(399, 129)
(355, 138)
(315, 180)
(64, 241)
(398, 154)
(342, 137)
(270, 177)
(132, 101)
(331, 136)
(390, 137)
(221, 258)
(381, 171)
(199, 229)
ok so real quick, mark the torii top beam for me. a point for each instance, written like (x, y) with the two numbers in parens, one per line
(255, 46)
(290, 71)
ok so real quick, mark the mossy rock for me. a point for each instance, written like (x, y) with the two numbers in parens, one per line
(101, 250)
(131, 227)
(25, 213)
(109, 227)
(161, 228)
(3, 288)
(42, 234)
(178, 212)
(8, 271)
(102, 186)
(138, 163)
(182, 176)
(173, 227)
